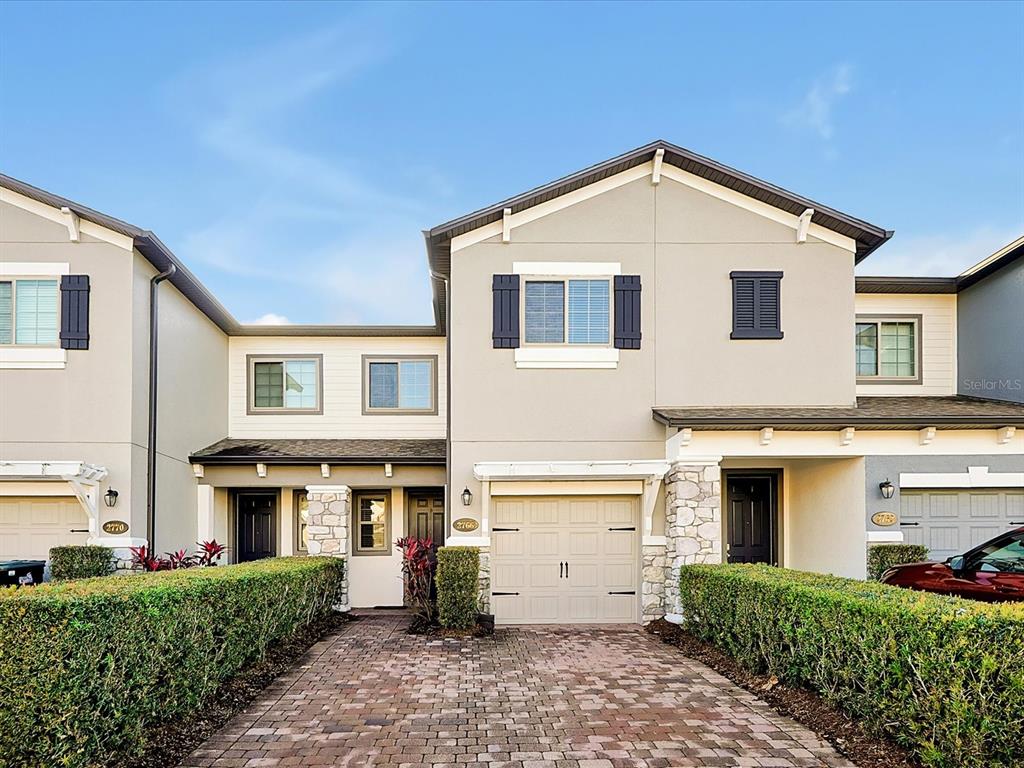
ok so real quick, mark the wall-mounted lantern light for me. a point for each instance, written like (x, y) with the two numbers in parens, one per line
(110, 497)
(467, 497)
(887, 489)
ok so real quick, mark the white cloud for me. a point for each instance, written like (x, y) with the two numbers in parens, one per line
(939, 254)
(814, 112)
(270, 319)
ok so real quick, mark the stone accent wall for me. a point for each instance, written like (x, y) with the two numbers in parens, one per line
(485, 579)
(653, 598)
(693, 522)
(327, 530)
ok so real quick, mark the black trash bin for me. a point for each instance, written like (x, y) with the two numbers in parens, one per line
(21, 572)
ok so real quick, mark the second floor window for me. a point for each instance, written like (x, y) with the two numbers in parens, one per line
(29, 312)
(284, 385)
(400, 385)
(887, 350)
(567, 311)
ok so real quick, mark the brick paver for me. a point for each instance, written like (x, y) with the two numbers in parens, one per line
(530, 697)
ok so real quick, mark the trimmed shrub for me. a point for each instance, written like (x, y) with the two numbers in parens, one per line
(882, 557)
(940, 675)
(458, 586)
(86, 667)
(80, 562)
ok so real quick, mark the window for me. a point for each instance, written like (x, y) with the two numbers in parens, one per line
(756, 305)
(287, 384)
(577, 310)
(29, 312)
(372, 524)
(400, 385)
(1001, 556)
(888, 350)
(301, 521)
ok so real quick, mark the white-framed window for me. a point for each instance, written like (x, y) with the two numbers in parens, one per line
(567, 311)
(285, 384)
(372, 523)
(888, 349)
(30, 311)
(400, 384)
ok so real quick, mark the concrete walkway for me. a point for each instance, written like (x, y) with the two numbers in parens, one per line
(530, 697)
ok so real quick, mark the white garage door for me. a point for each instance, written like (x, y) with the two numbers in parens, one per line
(950, 522)
(566, 559)
(30, 525)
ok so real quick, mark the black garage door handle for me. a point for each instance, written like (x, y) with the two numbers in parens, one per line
(497, 594)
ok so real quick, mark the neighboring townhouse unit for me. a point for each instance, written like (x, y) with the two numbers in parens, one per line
(655, 361)
(660, 360)
(74, 378)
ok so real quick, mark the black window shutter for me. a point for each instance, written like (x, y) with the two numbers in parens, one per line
(627, 311)
(74, 312)
(505, 329)
(756, 305)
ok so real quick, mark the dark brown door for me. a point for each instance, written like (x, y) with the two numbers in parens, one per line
(426, 516)
(257, 513)
(751, 519)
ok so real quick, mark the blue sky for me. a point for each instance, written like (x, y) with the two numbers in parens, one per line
(291, 154)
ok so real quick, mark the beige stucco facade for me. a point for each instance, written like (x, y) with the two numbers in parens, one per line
(94, 408)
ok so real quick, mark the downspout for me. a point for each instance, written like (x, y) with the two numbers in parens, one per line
(151, 445)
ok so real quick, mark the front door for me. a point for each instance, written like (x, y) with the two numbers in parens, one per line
(751, 518)
(426, 516)
(257, 513)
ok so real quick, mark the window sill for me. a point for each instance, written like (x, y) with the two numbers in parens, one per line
(886, 381)
(756, 335)
(33, 357)
(567, 357)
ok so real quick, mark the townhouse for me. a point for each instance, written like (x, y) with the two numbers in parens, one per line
(657, 360)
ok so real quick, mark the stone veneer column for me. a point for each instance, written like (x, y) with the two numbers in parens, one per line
(693, 522)
(484, 579)
(653, 599)
(327, 527)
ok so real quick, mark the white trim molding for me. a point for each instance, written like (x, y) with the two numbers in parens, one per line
(567, 356)
(974, 477)
(566, 268)
(885, 537)
(569, 470)
(34, 268)
(15, 358)
(327, 488)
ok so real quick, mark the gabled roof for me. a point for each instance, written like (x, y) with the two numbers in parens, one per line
(160, 256)
(1000, 259)
(913, 412)
(867, 236)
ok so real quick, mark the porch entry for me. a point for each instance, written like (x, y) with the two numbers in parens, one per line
(426, 515)
(256, 515)
(752, 517)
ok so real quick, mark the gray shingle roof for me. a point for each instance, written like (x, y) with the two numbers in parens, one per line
(316, 451)
(871, 412)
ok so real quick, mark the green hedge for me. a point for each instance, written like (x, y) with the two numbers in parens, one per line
(940, 675)
(882, 557)
(458, 586)
(87, 666)
(80, 562)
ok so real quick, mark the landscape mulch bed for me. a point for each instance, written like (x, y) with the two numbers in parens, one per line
(170, 743)
(845, 734)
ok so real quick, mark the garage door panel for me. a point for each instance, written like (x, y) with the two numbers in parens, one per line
(984, 505)
(572, 531)
(952, 521)
(509, 513)
(31, 526)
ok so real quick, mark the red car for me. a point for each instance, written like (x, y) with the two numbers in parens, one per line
(993, 572)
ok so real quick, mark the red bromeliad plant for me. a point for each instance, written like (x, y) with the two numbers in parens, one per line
(209, 553)
(419, 561)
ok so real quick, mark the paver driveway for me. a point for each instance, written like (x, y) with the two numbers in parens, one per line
(530, 697)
